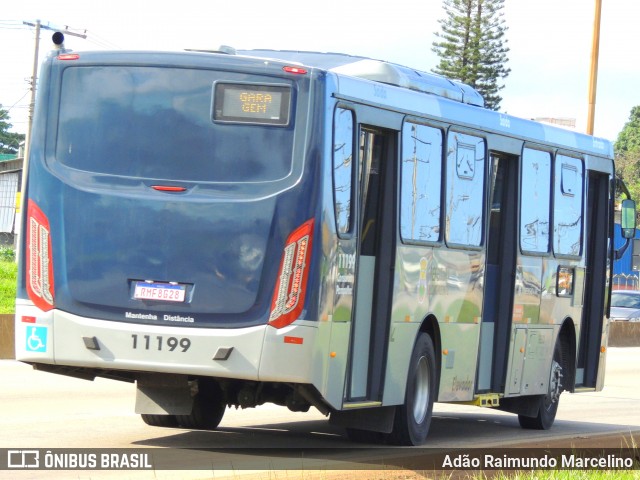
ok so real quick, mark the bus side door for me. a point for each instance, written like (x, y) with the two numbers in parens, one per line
(376, 232)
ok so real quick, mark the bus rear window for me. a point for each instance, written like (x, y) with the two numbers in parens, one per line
(250, 103)
(156, 122)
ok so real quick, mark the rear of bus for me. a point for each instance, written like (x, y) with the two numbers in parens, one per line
(168, 219)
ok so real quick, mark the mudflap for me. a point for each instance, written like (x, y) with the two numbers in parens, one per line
(163, 394)
(379, 419)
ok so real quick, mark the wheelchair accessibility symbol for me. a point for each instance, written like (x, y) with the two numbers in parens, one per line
(37, 339)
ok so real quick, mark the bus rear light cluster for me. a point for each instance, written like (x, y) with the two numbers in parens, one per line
(38, 256)
(288, 296)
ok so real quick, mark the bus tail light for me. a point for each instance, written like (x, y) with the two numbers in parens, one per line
(39, 272)
(296, 70)
(68, 56)
(288, 296)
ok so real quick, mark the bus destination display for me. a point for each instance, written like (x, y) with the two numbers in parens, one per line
(247, 103)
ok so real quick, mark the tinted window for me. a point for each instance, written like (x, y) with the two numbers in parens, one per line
(464, 197)
(343, 168)
(567, 211)
(421, 183)
(535, 201)
(625, 300)
(156, 123)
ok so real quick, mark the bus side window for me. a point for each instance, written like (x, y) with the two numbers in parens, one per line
(465, 189)
(343, 169)
(567, 218)
(421, 184)
(535, 201)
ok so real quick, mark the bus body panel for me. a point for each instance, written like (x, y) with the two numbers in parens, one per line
(33, 333)
(402, 334)
(602, 359)
(259, 353)
(444, 284)
(216, 249)
(218, 235)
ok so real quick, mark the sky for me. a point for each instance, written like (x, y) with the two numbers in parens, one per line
(550, 43)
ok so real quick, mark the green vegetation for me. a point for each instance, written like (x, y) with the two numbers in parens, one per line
(472, 47)
(627, 149)
(560, 475)
(462, 475)
(8, 274)
(7, 254)
(9, 141)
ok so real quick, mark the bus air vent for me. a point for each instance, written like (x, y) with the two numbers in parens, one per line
(405, 77)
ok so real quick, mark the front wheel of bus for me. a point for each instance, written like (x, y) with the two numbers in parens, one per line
(548, 403)
(412, 421)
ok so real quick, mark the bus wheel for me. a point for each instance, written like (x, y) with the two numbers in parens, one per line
(208, 409)
(168, 421)
(548, 403)
(413, 418)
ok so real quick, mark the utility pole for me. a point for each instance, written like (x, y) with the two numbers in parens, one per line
(27, 142)
(593, 77)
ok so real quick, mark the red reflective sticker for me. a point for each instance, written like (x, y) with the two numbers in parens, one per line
(168, 188)
(294, 340)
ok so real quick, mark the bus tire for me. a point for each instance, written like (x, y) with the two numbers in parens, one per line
(167, 421)
(413, 418)
(548, 403)
(207, 411)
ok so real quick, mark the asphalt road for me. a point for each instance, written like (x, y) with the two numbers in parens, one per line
(46, 411)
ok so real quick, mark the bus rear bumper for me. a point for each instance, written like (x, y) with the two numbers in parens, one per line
(259, 353)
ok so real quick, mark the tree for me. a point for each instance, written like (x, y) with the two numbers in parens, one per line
(627, 148)
(9, 141)
(472, 46)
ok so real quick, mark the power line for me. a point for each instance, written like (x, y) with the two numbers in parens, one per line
(64, 30)
(21, 106)
(10, 24)
(102, 42)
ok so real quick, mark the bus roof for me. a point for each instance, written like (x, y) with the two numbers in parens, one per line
(355, 67)
(378, 71)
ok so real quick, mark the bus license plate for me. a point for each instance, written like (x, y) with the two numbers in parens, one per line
(166, 292)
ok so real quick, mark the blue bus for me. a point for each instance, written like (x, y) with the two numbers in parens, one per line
(313, 230)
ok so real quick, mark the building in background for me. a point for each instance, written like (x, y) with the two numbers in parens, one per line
(10, 179)
(626, 269)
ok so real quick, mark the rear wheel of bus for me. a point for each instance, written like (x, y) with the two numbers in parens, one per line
(167, 421)
(413, 418)
(548, 403)
(208, 409)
